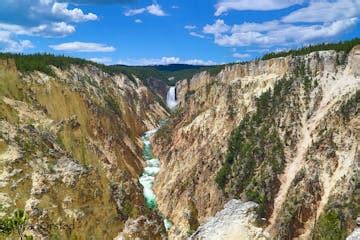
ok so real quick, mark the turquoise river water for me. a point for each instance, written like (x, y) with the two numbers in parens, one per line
(152, 168)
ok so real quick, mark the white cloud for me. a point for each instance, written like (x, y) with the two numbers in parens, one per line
(45, 18)
(256, 27)
(190, 27)
(10, 45)
(75, 15)
(224, 6)
(138, 21)
(17, 46)
(83, 47)
(199, 62)
(217, 28)
(133, 12)
(315, 21)
(154, 9)
(241, 55)
(275, 33)
(57, 29)
(164, 61)
(195, 34)
(169, 60)
(9, 32)
(15, 29)
(50, 10)
(103, 60)
(325, 11)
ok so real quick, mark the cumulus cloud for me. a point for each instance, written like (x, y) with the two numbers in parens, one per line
(318, 20)
(138, 21)
(153, 9)
(164, 61)
(38, 11)
(325, 11)
(42, 18)
(225, 6)
(169, 60)
(10, 32)
(217, 28)
(8, 44)
(156, 10)
(57, 29)
(83, 47)
(279, 33)
(76, 15)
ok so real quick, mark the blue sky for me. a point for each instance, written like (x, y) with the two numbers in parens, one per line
(143, 32)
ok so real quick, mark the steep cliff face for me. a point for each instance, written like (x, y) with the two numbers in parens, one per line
(71, 153)
(282, 132)
(158, 86)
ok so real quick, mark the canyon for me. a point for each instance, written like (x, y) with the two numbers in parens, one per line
(267, 149)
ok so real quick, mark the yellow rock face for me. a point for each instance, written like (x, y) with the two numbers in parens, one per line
(193, 146)
(71, 153)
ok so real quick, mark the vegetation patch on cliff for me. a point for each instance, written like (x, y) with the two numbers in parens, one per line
(331, 224)
(345, 46)
(255, 153)
(351, 107)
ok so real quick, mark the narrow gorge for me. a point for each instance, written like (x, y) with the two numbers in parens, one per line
(153, 165)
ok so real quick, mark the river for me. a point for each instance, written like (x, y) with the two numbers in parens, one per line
(152, 167)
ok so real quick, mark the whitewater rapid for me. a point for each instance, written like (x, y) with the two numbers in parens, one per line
(151, 169)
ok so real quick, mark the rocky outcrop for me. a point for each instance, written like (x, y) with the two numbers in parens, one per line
(157, 86)
(236, 221)
(296, 113)
(140, 228)
(354, 235)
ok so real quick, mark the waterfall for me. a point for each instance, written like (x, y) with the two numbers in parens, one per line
(171, 98)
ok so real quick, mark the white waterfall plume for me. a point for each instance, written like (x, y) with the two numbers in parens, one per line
(171, 98)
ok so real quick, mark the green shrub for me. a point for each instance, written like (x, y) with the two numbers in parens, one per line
(352, 106)
(330, 226)
(112, 105)
(221, 176)
(189, 94)
(14, 224)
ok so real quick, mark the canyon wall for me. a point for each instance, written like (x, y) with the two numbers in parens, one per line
(283, 133)
(71, 153)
